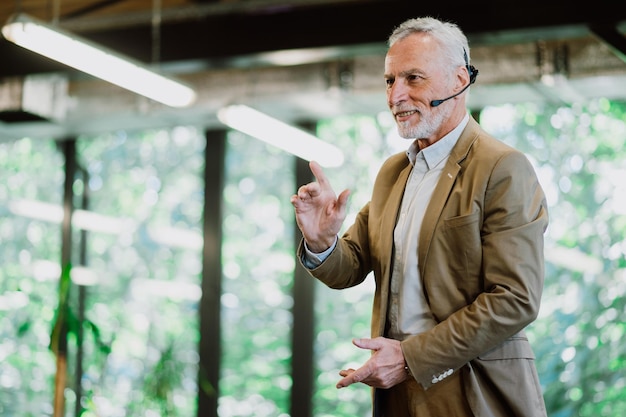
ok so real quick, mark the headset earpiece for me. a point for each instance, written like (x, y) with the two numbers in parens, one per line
(473, 73)
(471, 70)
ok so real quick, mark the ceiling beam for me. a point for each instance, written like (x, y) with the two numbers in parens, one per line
(217, 34)
(611, 36)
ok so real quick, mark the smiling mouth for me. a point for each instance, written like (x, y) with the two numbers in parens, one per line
(406, 113)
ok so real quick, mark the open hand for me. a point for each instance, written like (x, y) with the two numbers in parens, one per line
(319, 212)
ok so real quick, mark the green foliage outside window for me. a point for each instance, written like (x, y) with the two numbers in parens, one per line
(29, 274)
(258, 262)
(147, 188)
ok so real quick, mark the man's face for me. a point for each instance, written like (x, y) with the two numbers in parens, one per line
(416, 74)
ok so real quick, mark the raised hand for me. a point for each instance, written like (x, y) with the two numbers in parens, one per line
(319, 212)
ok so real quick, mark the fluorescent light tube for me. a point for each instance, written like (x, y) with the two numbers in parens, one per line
(96, 60)
(280, 134)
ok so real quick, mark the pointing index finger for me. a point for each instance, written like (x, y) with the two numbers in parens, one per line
(318, 173)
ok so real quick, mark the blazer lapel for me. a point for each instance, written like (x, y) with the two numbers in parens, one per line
(388, 223)
(443, 188)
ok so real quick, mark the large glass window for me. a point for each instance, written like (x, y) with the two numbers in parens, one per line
(258, 264)
(144, 253)
(31, 191)
(139, 199)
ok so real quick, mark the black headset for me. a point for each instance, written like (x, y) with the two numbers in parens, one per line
(473, 73)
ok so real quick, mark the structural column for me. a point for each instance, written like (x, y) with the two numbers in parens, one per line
(210, 334)
(303, 320)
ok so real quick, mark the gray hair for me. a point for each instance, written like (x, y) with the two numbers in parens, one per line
(453, 41)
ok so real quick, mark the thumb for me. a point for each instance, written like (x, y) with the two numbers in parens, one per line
(365, 343)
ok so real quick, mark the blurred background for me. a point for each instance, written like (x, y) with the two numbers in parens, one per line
(148, 263)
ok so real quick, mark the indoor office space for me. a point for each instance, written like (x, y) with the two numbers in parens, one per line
(148, 239)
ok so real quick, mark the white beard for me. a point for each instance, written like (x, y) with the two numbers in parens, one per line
(427, 126)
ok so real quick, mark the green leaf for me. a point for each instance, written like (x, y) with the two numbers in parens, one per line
(58, 338)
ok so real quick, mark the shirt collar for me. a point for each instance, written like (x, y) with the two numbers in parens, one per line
(439, 150)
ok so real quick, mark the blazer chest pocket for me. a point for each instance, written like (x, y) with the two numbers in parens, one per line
(460, 222)
(460, 238)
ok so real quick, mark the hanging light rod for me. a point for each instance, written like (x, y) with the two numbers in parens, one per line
(275, 132)
(96, 60)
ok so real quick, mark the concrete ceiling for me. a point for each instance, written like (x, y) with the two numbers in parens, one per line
(298, 60)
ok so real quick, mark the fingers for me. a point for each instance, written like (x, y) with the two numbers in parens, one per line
(305, 193)
(318, 173)
(350, 376)
(381, 370)
(321, 187)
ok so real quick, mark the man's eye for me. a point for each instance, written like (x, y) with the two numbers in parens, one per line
(389, 82)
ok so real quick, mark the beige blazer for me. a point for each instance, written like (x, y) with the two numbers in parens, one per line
(482, 268)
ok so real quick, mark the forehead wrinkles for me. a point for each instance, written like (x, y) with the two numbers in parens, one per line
(417, 51)
(402, 66)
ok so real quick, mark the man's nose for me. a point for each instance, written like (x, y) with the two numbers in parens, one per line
(397, 93)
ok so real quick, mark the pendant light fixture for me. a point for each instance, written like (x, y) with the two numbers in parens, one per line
(280, 134)
(96, 60)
